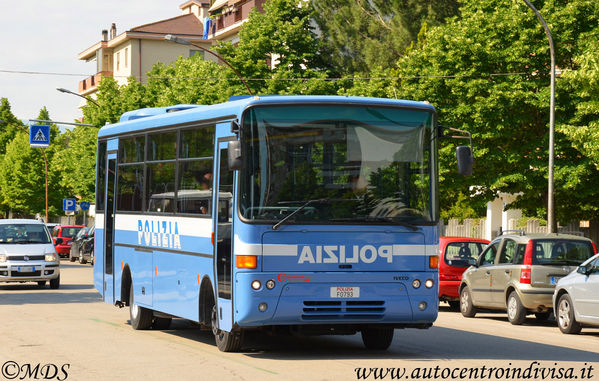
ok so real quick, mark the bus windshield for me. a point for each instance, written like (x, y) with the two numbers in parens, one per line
(339, 164)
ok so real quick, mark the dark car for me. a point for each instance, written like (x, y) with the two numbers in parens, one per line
(76, 244)
(67, 233)
(86, 250)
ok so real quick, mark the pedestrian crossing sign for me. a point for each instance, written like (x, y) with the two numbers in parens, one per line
(39, 136)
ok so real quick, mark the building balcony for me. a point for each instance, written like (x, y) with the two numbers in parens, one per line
(90, 85)
(228, 20)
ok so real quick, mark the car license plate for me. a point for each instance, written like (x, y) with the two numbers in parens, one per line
(25, 269)
(554, 279)
(345, 292)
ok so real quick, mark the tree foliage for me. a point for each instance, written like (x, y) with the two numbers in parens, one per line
(363, 35)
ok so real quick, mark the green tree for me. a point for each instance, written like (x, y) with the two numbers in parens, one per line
(22, 175)
(74, 162)
(280, 46)
(360, 36)
(488, 73)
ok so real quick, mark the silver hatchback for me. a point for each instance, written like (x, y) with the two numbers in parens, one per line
(517, 273)
(27, 253)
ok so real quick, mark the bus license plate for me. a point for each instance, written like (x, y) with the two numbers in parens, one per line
(23, 269)
(345, 292)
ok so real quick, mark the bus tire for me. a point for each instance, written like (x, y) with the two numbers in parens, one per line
(377, 338)
(225, 341)
(140, 317)
(161, 323)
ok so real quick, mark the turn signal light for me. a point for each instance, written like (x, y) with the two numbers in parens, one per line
(433, 261)
(246, 261)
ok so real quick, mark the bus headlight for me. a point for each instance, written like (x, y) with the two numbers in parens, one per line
(416, 283)
(429, 283)
(256, 285)
(2, 257)
(422, 306)
(270, 284)
(262, 307)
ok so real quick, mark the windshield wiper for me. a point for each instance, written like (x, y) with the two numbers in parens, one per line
(305, 204)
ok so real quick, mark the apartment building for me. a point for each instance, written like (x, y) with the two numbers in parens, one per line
(135, 51)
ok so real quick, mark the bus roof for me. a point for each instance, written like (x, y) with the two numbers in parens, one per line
(155, 117)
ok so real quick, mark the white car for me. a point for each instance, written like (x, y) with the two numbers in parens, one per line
(27, 253)
(576, 297)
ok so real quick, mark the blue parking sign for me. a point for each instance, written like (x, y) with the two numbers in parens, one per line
(39, 136)
(69, 204)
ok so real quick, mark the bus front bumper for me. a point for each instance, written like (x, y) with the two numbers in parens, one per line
(336, 298)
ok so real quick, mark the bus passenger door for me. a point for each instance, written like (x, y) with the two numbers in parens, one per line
(223, 221)
(108, 262)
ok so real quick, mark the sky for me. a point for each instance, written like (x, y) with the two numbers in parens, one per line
(46, 37)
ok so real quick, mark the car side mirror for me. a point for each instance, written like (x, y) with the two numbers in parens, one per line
(472, 262)
(584, 270)
(234, 155)
(59, 241)
(465, 160)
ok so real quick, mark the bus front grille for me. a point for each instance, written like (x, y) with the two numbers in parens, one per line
(345, 309)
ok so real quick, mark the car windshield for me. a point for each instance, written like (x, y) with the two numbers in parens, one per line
(70, 231)
(561, 252)
(81, 233)
(339, 164)
(23, 233)
(461, 254)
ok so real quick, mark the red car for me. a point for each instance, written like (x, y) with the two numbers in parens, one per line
(66, 232)
(456, 254)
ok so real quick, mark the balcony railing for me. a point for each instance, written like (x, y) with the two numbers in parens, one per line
(233, 14)
(90, 84)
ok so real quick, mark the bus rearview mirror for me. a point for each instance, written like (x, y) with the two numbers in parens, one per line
(234, 155)
(465, 160)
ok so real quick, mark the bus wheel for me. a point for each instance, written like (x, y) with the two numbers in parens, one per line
(161, 323)
(377, 338)
(141, 318)
(225, 341)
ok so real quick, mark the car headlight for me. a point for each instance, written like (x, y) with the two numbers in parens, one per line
(2, 257)
(51, 257)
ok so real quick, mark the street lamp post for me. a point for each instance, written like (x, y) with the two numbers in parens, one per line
(182, 41)
(551, 222)
(63, 90)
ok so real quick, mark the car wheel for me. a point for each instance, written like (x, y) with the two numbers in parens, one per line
(466, 306)
(55, 283)
(141, 318)
(377, 338)
(516, 313)
(566, 320)
(71, 258)
(82, 260)
(225, 341)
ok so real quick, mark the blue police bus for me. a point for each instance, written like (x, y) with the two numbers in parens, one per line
(311, 214)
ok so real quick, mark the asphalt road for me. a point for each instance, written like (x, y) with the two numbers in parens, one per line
(71, 334)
